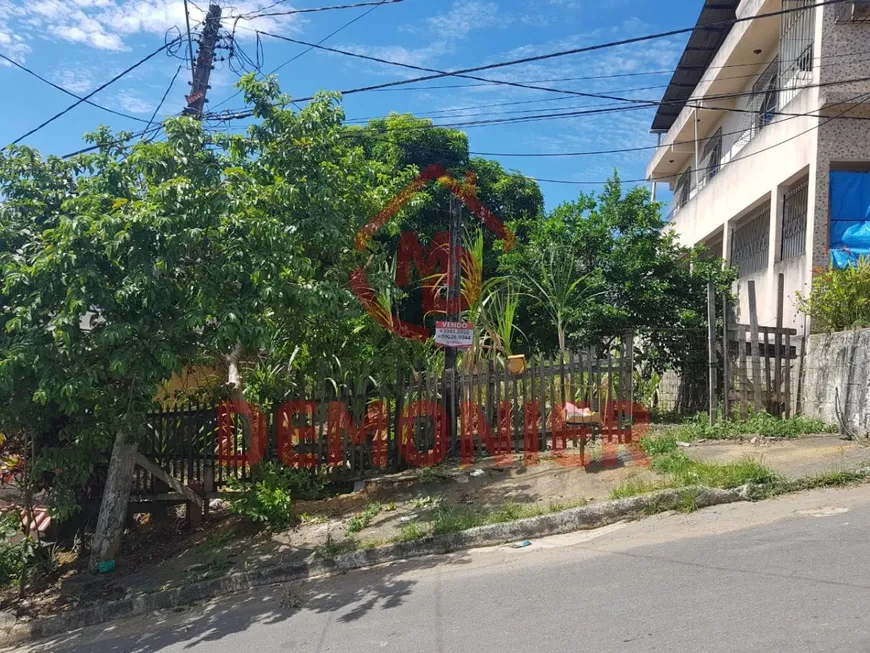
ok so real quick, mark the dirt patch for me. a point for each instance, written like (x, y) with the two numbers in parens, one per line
(792, 458)
(163, 554)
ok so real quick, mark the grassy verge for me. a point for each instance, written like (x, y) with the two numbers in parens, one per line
(758, 424)
(681, 471)
(840, 478)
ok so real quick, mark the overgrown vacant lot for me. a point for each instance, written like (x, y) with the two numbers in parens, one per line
(162, 554)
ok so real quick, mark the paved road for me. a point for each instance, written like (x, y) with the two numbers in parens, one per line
(786, 575)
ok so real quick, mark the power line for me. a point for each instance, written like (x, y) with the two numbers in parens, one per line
(825, 120)
(641, 73)
(189, 41)
(592, 48)
(858, 99)
(441, 72)
(68, 92)
(163, 99)
(621, 109)
(611, 109)
(252, 16)
(153, 131)
(95, 91)
(645, 103)
(500, 104)
(304, 52)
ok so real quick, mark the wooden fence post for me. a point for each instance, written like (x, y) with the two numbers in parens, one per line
(744, 377)
(711, 350)
(726, 359)
(777, 372)
(753, 334)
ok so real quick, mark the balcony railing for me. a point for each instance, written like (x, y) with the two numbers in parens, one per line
(775, 87)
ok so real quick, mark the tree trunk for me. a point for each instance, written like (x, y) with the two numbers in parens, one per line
(237, 396)
(113, 509)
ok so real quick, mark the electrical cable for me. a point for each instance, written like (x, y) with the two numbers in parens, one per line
(252, 16)
(858, 99)
(92, 93)
(825, 120)
(154, 130)
(68, 92)
(304, 52)
(189, 44)
(165, 94)
(591, 48)
(486, 107)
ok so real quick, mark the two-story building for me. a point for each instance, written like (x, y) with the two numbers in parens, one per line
(765, 140)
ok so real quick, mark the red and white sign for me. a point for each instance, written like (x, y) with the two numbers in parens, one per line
(459, 335)
(196, 95)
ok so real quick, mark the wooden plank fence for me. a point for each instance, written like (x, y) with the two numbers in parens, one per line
(357, 427)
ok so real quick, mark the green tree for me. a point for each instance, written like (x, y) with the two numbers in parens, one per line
(122, 266)
(643, 279)
(404, 142)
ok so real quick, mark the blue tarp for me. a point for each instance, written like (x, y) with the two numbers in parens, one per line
(850, 217)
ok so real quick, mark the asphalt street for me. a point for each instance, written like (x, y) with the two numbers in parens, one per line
(792, 574)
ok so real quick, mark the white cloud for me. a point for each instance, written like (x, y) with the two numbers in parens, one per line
(13, 41)
(465, 17)
(133, 104)
(77, 80)
(108, 24)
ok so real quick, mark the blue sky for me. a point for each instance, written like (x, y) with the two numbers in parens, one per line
(80, 44)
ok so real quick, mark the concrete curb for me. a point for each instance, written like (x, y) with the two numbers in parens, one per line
(586, 517)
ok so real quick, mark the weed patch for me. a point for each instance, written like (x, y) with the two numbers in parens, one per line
(758, 424)
(358, 522)
(411, 532)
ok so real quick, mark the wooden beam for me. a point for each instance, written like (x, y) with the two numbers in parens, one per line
(171, 481)
(711, 350)
(756, 354)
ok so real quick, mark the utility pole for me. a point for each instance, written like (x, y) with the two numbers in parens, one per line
(204, 63)
(454, 309)
(454, 275)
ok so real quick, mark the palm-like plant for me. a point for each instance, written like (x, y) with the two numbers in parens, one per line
(557, 286)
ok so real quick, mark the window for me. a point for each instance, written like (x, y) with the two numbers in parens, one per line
(712, 157)
(795, 206)
(769, 95)
(761, 110)
(796, 47)
(683, 189)
(857, 11)
(749, 242)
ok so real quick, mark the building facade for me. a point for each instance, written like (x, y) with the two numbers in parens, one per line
(760, 116)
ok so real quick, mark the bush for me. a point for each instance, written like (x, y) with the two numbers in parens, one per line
(839, 299)
(14, 555)
(267, 501)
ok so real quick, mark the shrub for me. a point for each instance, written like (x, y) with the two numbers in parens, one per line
(266, 501)
(839, 299)
(15, 553)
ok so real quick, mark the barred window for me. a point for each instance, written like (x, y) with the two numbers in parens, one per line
(750, 241)
(712, 158)
(795, 206)
(683, 189)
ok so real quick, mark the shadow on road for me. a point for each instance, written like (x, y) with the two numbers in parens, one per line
(353, 595)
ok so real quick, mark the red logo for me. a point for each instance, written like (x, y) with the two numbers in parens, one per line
(427, 263)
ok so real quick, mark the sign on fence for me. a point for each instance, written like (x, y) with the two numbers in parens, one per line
(459, 335)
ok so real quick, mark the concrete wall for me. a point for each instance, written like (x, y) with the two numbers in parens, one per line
(837, 368)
